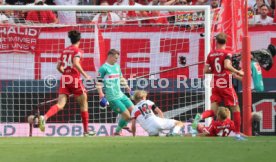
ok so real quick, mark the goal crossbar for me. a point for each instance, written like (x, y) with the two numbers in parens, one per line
(206, 8)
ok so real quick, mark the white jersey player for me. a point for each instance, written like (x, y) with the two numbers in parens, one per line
(143, 114)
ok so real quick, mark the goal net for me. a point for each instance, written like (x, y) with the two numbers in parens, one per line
(161, 51)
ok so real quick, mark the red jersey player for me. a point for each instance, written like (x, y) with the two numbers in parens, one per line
(69, 66)
(222, 126)
(219, 64)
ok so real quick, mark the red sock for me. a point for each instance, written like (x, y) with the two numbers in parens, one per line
(237, 121)
(85, 118)
(52, 111)
(207, 113)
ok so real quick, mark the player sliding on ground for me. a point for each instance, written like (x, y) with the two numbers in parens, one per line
(153, 125)
(110, 78)
(222, 126)
(69, 65)
(219, 64)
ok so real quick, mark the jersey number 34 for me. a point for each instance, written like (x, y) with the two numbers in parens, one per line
(67, 61)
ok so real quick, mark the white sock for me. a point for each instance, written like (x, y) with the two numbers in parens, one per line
(176, 130)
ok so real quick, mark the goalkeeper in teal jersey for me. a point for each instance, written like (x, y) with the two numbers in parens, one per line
(257, 78)
(110, 79)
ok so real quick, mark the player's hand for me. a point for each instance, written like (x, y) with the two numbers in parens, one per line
(235, 75)
(128, 89)
(88, 77)
(240, 73)
(101, 95)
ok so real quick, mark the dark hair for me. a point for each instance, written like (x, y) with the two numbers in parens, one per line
(74, 36)
(221, 38)
(113, 52)
(39, 3)
(272, 5)
(264, 5)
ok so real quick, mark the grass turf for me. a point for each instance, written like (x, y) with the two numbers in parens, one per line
(138, 149)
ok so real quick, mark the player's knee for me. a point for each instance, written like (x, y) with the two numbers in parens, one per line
(179, 123)
(60, 106)
(126, 116)
(84, 108)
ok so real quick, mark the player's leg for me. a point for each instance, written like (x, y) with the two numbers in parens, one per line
(80, 93)
(171, 124)
(231, 100)
(153, 132)
(118, 107)
(177, 127)
(205, 114)
(123, 121)
(237, 122)
(210, 113)
(215, 99)
(62, 99)
(236, 118)
(82, 100)
(130, 106)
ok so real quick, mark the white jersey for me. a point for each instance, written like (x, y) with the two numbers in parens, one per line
(152, 124)
(259, 20)
(142, 112)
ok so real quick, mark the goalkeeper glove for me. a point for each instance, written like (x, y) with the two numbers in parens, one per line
(103, 103)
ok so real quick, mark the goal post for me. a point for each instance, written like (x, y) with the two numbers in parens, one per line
(246, 59)
(148, 54)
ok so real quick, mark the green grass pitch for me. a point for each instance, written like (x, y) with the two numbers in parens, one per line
(138, 149)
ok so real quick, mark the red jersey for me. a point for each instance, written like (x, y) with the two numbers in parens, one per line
(221, 128)
(66, 59)
(215, 60)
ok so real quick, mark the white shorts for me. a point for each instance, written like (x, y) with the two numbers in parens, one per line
(157, 124)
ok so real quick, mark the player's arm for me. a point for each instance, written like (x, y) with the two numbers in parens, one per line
(207, 69)
(157, 111)
(236, 76)
(124, 83)
(203, 131)
(76, 63)
(133, 126)
(228, 66)
(60, 68)
(99, 84)
(171, 2)
(202, 134)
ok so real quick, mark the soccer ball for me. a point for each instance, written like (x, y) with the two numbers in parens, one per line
(256, 116)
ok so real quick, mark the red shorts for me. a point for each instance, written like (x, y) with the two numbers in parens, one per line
(77, 88)
(227, 95)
